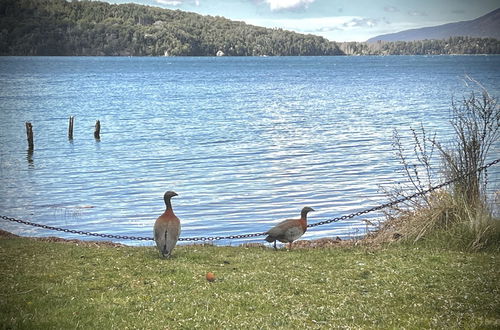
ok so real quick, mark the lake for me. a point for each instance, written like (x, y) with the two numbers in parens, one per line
(245, 142)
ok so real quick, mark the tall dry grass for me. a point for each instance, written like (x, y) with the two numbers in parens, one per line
(460, 212)
(476, 122)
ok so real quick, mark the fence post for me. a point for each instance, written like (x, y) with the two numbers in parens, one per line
(29, 134)
(97, 130)
(70, 128)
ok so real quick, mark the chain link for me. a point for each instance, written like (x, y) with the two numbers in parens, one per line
(72, 231)
(218, 238)
(125, 237)
(404, 199)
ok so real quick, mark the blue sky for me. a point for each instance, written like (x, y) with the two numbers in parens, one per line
(336, 20)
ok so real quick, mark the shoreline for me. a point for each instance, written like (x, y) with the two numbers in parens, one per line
(327, 242)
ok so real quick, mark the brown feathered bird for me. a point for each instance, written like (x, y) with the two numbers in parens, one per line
(167, 228)
(289, 230)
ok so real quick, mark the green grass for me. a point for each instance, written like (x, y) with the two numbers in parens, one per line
(48, 285)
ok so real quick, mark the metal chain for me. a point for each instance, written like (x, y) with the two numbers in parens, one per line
(79, 232)
(124, 237)
(218, 238)
(404, 199)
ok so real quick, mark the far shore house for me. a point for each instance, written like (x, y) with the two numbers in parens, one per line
(220, 53)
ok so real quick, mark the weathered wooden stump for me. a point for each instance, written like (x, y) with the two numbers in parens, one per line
(70, 128)
(29, 134)
(97, 130)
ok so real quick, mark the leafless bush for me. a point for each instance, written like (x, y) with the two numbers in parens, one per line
(417, 164)
(476, 122)
(476, 125)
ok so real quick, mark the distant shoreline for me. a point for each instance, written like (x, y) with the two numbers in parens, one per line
(251, 56)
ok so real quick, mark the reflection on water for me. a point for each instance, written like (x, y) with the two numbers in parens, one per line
(29, 158)
(246, 142)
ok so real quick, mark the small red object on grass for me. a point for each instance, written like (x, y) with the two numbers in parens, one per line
(210, 277)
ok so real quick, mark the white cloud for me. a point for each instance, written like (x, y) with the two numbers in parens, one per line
(335, 28)
(416, 13)
(170, 2)
(276, 5)
(391, 9)
(362, 22)
(178, 2)
(311, 25)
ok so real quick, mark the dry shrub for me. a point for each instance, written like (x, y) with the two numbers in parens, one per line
(459, 211)
(476, 123)
(447, 218)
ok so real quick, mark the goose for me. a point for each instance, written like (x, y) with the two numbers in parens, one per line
(289, 230)
(167, 227)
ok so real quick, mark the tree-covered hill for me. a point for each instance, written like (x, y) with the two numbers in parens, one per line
(59, 27)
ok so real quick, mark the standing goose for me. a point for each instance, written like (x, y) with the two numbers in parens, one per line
(167, 227)
(289, 230)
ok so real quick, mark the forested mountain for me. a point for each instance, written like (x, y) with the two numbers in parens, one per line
(487, 26)
(60, 27)
(450, 46)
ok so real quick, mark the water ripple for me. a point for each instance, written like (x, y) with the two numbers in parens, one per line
(246, 142)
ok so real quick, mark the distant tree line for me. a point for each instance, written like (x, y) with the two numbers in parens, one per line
(60, 27)
(450, 46)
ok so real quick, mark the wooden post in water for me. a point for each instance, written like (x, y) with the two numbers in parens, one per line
(97, 130)
(29, 134)
(70, 128)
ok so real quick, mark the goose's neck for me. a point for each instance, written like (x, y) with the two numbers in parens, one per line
(168, 204)
(303, 222)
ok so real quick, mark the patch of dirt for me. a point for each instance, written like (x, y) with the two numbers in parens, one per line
(322, 243)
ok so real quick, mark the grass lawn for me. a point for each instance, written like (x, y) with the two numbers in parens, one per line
(48, 285)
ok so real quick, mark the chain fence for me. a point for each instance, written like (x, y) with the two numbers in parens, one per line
(231, 237)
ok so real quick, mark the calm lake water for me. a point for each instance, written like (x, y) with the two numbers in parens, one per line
(245, 142)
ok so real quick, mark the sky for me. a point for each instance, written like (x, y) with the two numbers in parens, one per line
(336, 20)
